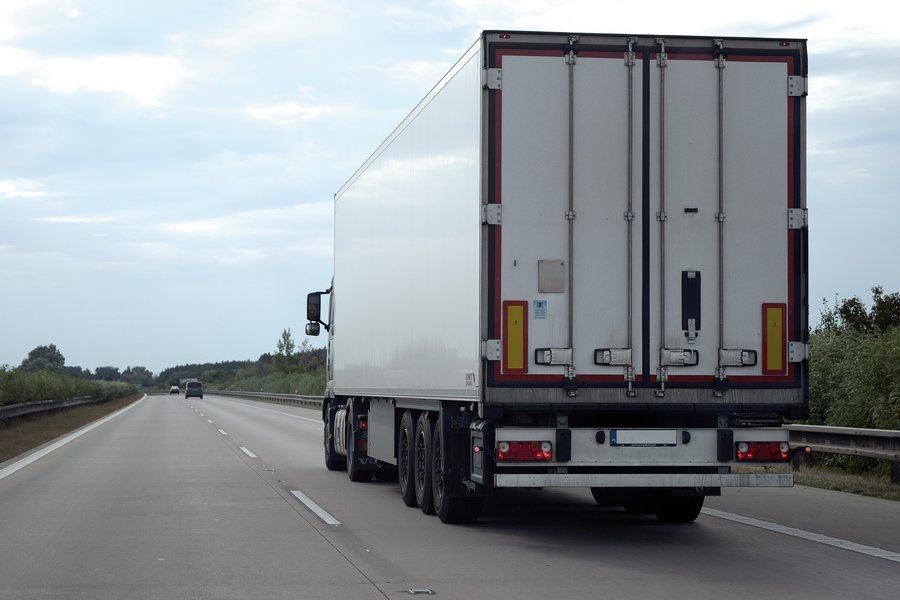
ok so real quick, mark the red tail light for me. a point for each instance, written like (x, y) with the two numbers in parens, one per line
(763, 451)
(524, 451)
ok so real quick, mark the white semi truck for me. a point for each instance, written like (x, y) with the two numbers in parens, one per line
(581, 260)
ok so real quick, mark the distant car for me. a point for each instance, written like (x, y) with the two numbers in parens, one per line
(193, 388)
(174, 390)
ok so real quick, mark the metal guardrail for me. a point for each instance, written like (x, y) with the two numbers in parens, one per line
(883, 444)
(30, 408)
(290, 399)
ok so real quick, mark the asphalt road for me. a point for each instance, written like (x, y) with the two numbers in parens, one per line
(201, 499)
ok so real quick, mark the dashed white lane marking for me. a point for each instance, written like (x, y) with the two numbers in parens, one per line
(248, 452)
(16, 466)
(209, 421)
(320, 512)
(806, 535)
(222, 431)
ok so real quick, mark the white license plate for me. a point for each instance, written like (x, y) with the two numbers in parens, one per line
(642, 437)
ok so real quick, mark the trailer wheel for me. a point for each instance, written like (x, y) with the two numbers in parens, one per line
(353, 471)
(679, 509)
(333, 461)
(405, 454)
(422, 462)
(449, 509)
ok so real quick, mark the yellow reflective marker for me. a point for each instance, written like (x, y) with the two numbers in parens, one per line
(515, 337)
(774, 343)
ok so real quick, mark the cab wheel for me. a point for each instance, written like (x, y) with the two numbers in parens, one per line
(333, 460)
(354, 472)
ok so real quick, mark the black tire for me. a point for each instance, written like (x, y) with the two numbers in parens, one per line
(422, 464)
(406, 435)
(679, 509)
(333, 460)
(354, 472)
(449, 509)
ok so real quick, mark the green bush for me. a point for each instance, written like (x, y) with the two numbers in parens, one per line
(854, 372)
(17, 387)
(297, 382)
(854, 378)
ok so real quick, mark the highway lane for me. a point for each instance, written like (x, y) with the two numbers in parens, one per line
(130, 510)
(154, 504)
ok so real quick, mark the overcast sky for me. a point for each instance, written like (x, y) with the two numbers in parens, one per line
(167, 167)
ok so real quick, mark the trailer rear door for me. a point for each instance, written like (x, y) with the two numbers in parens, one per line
(652, 215)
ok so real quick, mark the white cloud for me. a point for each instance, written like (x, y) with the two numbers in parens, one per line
(14, 61)
(79, 220)
(146, 79)
(275, 21)
(851, 91)
(827, 23)
(202, 227)
(271, 221)
(289, 112)
(417, 71)
(21, 188)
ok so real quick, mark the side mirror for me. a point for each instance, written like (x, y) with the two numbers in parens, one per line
(314, 309)
(312, 329)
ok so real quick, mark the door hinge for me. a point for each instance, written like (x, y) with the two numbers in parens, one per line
(720, 59)
(491, 214)
(797, 352)
(492, 78)
(798, 218)
(492, 350)
(798, 86)
(662, 57)
(629, 55)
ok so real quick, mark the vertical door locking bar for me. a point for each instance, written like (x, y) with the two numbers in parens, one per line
(629, 214)
(571, 390)
(720, 216)
(662, 63)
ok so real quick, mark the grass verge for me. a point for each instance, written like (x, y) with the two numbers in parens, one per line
(24, 435)
(876, 485)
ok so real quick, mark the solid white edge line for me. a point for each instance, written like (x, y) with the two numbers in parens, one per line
(248, 452)
(16, 466)
(805, 535)
(322, 514)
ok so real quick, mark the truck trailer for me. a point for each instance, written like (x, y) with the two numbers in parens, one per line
(580, 261)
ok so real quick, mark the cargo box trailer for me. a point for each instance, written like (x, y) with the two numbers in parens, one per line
(581, 260)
